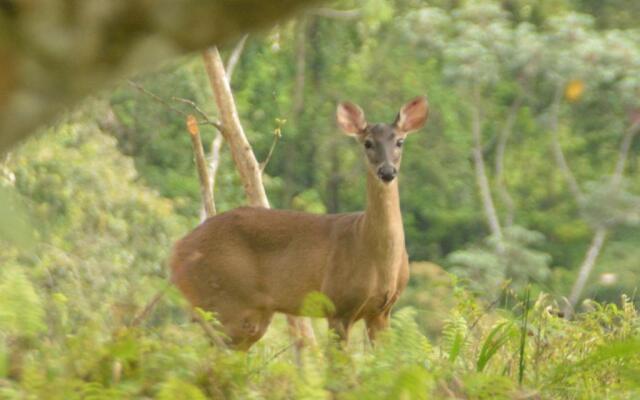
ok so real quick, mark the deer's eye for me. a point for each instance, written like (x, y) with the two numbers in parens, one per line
(400, 142)
(368, 144)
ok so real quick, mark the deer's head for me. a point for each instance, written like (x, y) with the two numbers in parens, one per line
(382, 143)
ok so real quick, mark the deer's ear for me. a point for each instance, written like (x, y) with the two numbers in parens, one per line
(350, 118)
(413, 115)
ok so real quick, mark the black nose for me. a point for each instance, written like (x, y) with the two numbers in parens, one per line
(387, 173)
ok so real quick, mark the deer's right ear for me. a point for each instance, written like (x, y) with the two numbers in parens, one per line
(350, 118)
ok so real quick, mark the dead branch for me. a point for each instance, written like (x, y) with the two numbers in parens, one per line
(235, 57)
(481, 174)
(591, 256)
(197, 109)
(623, 153)
(276, 139)
(148, 309)
(201, 164)
(157, 98)
(503, 138)
(558, 153)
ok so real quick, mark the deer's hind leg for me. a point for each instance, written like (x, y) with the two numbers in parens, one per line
(241, 324)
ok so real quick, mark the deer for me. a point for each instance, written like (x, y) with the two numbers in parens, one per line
(248, 263)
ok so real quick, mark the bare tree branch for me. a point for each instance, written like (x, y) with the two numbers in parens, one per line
(556, 148)
(149, 307)
(591, 256)
(205, 189)
(197, 109)
(214, 164)
(481, 174)
(235, 57)
(503, 138)
(157, 98)
(264, 164)
(623, 153)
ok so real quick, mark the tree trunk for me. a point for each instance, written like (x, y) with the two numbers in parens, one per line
(244, 158)
(503, 192)
(233, 132)
(216, 143)
(623, 153)
(481, 175)
(558, 154)
(600, 235)
(235, 57)
(586, 267)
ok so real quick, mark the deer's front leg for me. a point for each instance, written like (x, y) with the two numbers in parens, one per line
(341, 327)
(375, 324)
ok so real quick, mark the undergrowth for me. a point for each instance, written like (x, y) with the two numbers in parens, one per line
(523, 352)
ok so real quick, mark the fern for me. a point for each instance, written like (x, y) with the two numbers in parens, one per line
(21, 311)
(454, 336)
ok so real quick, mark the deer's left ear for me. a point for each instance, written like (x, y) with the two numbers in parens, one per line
(413, 115)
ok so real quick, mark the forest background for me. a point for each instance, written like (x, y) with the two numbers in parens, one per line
(525, 181)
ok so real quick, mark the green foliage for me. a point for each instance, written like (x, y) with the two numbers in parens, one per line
(497, 337)
(21, 310)
(89, 211)
(454, 336)
(318, 305)
(67, 313)
(15, 227)
(466, 56)
(486, 269)
(180, 390)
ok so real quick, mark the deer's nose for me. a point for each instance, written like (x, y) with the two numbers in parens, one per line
(387, 173)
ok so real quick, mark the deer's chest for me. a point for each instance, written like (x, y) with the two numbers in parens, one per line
(383, 291)
(362, 285)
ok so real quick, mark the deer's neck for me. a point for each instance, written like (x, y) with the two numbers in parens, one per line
(382, 227)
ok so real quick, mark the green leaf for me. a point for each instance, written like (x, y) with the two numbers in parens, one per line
(497, 338)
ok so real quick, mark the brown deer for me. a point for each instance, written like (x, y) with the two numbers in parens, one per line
(247, 263)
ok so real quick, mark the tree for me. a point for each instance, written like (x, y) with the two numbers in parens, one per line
(243, 156)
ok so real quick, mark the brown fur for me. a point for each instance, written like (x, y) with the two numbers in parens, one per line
(248, 263)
